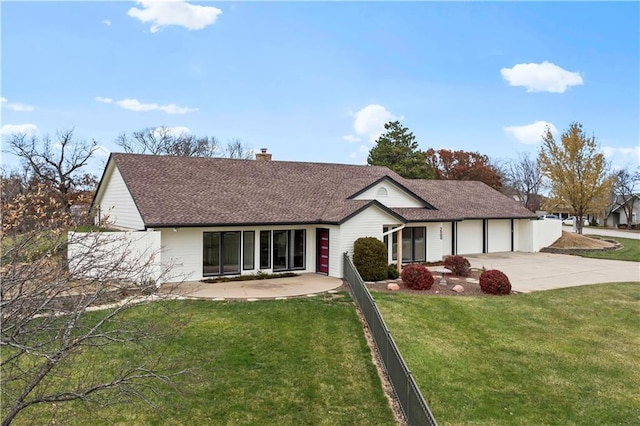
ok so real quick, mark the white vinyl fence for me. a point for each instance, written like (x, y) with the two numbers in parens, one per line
(537, 234)
(130, 256)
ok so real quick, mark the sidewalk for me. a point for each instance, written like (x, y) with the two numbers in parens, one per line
(275, 288)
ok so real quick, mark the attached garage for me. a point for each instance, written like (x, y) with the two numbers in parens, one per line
(469, 234)
(498, 235)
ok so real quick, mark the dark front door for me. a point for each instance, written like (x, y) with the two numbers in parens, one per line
(322, 256)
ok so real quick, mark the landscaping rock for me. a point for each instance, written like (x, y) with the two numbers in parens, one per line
(458, 288)
(393, 287)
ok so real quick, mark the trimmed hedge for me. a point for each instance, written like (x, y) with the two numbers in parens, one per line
(417, 277)
(370, 258)
(495, 282)
(458, 265)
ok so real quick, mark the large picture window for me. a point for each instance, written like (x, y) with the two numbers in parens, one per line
(414, 247)
(221, 253)
(289, 249)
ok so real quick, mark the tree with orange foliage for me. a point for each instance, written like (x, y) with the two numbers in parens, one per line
(463, 165)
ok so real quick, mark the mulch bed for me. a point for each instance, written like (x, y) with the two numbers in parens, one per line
(470, 284)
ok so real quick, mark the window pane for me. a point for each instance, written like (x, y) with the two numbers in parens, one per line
(248, 248)
(407, 253)
(419, 244)
(280, 246)
(394, 246)
(265, 249)
(298, 243)
(231, 252)
(211, 253)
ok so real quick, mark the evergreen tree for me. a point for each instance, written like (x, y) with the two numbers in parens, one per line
(397, 149)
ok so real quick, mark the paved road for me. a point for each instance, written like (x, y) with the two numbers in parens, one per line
(607, 232)
(543, 271)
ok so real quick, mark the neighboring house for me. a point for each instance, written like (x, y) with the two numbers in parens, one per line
(533, 202)
(617, 215)
(222, 216)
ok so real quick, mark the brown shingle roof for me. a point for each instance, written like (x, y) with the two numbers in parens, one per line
(188, 191)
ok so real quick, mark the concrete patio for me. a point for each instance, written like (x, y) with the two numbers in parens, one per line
(275, 288)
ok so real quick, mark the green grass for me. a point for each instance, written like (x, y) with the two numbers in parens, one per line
(567, 356)
(630, 251)
(291, 362)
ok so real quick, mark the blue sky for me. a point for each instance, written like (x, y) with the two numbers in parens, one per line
(316, 81)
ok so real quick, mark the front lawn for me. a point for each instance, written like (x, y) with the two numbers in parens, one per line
(630, 251)
(567, 356)
(290, 362)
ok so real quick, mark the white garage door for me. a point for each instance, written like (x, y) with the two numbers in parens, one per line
(470, 237)
(499, 235)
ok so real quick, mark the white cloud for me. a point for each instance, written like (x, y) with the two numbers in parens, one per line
(369, 123)
(14, 106)
(173, 131)
(106, 22)
(544, 77)
(530, 133)
(174, 12)
(103, 100)
(12, 129)
(351, 138)
(619, 153)
(136, 105)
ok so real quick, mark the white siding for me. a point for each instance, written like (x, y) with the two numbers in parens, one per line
(368, 223)
(446, 238)
(116, 204)
(396, 197)
(470, 237)
(131, 256)
(335, 252)
(434, 243)
(498, 235)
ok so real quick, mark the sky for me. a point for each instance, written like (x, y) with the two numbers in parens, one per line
(316, 81)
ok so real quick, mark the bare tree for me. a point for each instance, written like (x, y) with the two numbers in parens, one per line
(53, 347)
(238, 149)
(523, 175)
(624, 195)
(168, 141)
(58, 164)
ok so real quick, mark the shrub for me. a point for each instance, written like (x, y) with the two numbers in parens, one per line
(495, 282)
(417, 277)
(370, 258)
(458, 265)
(392, 271)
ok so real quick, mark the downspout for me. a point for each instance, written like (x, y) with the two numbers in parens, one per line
(398, 246)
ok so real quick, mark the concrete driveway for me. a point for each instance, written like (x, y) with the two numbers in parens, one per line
(543, 271)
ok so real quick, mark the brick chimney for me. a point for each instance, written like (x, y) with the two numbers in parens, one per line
(262, 155)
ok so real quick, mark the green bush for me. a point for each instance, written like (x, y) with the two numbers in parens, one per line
(370, 258)
(392, 271)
